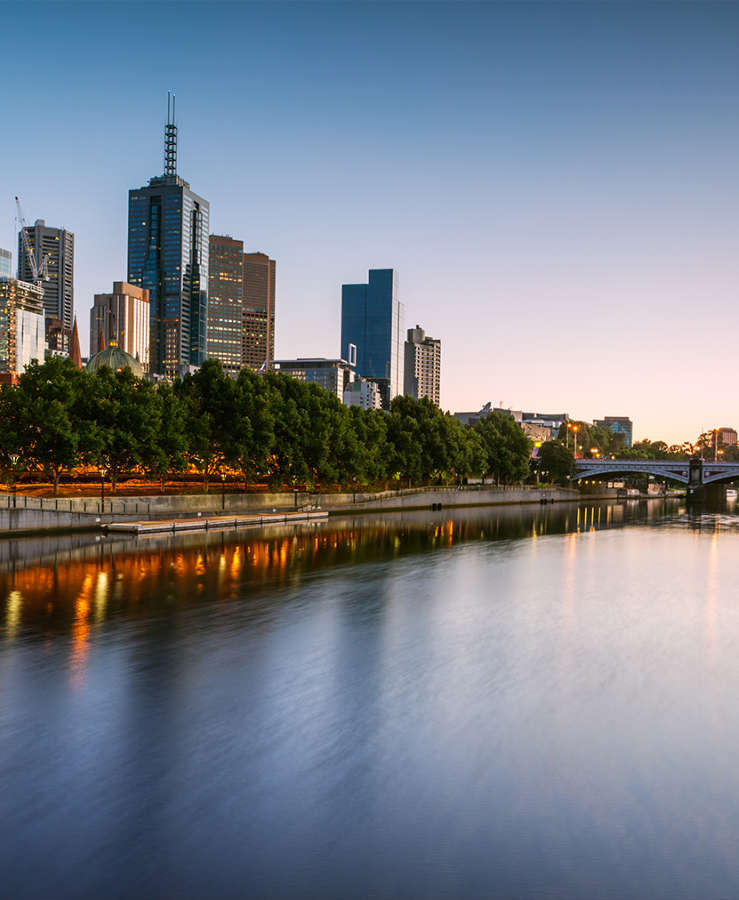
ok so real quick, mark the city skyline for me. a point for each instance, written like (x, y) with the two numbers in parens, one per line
(554, 186)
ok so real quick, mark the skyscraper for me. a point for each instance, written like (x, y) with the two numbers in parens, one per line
(54, 252)
(372, 319)
(258, 339)
(168, 228)
(6, 263)
(226, 301)
(422, 366)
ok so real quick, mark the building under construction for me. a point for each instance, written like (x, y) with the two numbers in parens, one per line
(22, 332)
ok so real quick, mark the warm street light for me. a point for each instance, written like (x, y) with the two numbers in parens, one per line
(103, 473)
(14, 457)
(223, 490)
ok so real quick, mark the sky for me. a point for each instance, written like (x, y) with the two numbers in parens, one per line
(557, 185)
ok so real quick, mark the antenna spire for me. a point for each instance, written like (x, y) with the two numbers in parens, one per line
(170, 137)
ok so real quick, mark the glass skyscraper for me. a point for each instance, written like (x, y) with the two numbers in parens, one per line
(372, 319)
(168, 228)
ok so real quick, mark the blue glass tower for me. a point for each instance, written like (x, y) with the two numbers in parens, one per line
(372, 319)
(168, 228)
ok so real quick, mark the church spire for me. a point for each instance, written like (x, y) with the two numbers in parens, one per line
(74, 350)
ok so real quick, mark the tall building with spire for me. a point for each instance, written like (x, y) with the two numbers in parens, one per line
(168, 228)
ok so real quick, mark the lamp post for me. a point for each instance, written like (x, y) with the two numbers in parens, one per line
(715, 444)
(103, 472)
(223, 490)
(14, 457)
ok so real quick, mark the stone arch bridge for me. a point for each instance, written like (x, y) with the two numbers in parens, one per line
(693, 472)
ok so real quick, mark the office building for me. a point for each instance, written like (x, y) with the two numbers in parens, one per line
(372, 319)
(6, 263)
(364, 393)
(225, 301)
(121, 319)
(258, 336)
(726, 437)
(22, 326)
(334, 375)
(53, 249)
(422, 366)
(58, 338)
(168, 228)
(618, 425)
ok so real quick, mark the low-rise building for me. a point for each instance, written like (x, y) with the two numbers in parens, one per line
(332, 374)
(363, 392)
(618, 425)
(726, 437)
(22, 328)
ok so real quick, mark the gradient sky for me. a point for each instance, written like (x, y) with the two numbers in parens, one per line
(557, 184)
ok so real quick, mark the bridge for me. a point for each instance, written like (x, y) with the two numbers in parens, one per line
(693, 472)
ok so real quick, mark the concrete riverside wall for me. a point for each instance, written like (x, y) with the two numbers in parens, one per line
(36, 513)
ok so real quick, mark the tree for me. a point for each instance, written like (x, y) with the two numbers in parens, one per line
(209, 412)
(125, 421)
(556, 461)
(166, 454)
(52, 427)
(251, 436)
(507, 449)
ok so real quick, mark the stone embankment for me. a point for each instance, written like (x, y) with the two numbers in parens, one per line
(30, 514)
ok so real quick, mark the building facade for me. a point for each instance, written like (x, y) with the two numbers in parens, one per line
(618, 425)
(258, 323)
(225, 301)
(726, 437)
(372, 319)
(334, 375)
(363, 393)
(422, 366)
(22, 325)
(168, 228)
(121, 319)
(6, 263)
(54, 252)
(58, 338)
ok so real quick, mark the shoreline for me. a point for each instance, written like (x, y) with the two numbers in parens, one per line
(34, 516)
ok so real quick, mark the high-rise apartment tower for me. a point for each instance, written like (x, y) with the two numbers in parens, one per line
(226, 302)
(258, 335)
(372, 319)
(54, 251)
(422, 366)
(168, 227)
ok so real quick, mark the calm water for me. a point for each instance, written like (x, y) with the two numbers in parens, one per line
(521, 703)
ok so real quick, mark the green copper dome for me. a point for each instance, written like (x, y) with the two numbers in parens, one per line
(116, 359)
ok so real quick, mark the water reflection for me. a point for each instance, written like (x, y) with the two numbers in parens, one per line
(523, 702)
(58, 584)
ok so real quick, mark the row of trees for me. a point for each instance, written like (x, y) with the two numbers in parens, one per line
(271, 429)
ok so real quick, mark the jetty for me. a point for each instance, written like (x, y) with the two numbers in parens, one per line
(213, 523)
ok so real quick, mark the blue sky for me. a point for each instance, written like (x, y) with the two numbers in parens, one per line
(556, 184)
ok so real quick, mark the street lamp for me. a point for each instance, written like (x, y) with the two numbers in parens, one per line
(223, 490)
(103, 473)
(715, 444)
(14, 457)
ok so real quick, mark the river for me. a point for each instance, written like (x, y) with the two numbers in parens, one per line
(498, 703)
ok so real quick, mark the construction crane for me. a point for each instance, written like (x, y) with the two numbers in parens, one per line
(39, 273)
